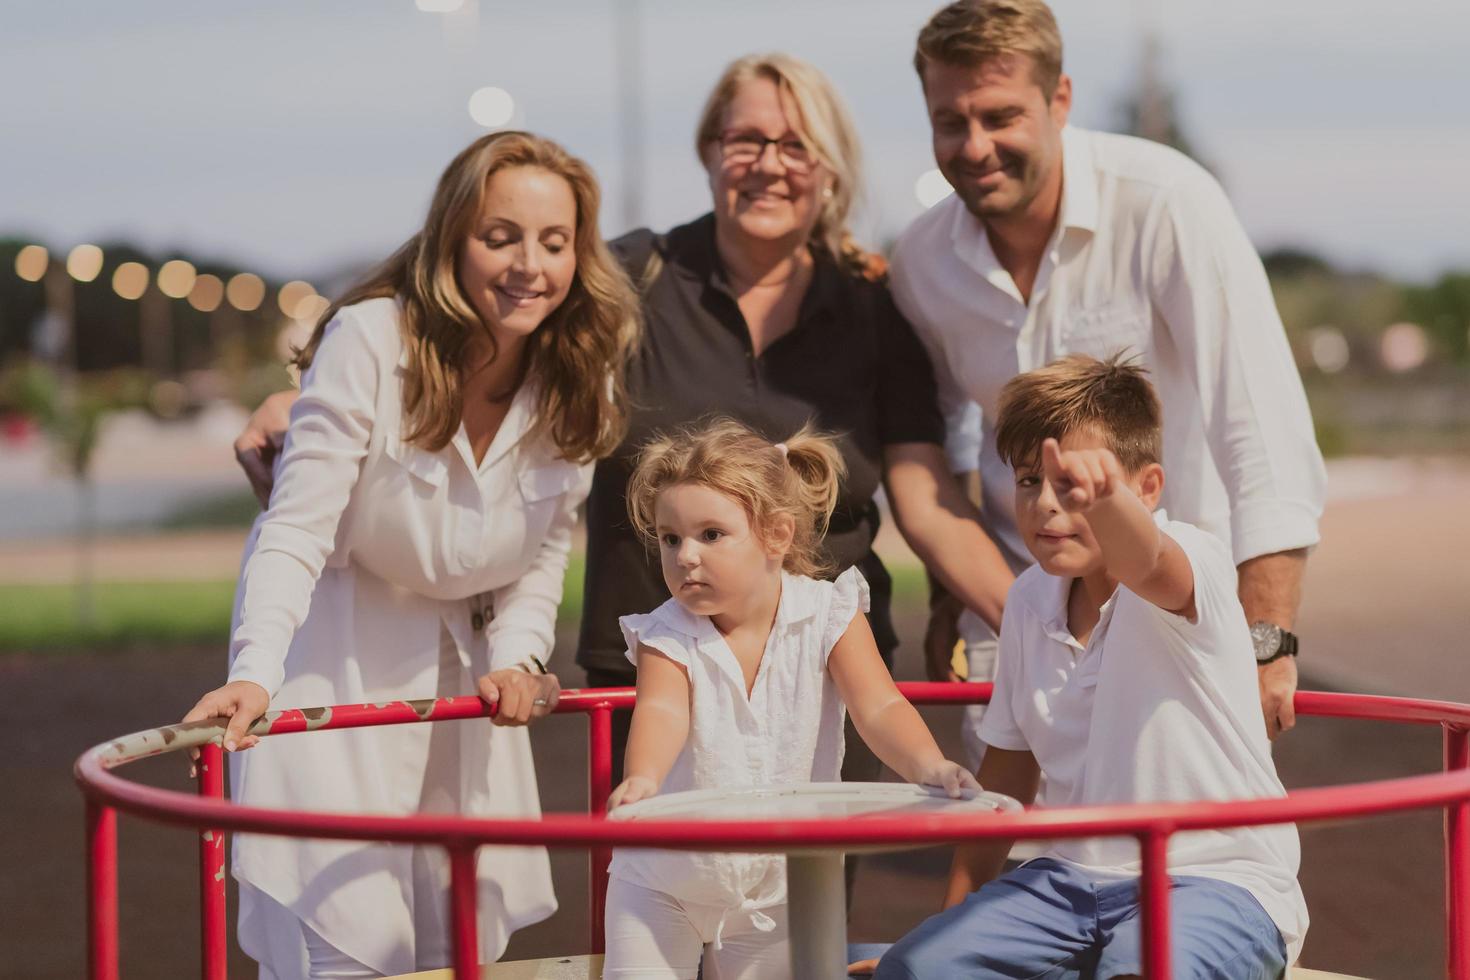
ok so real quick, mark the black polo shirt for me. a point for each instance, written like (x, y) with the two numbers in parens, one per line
(852, 365)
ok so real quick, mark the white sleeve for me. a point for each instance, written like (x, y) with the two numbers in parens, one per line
(961, 441)
(998, 726)
(525, 610)
(1208, 284)
(848, 600)
(645, 629)
(320, 463)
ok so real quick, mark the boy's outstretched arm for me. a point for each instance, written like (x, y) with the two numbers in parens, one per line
(884, 718)
(659, 730)
(1015, 774)
(1137, 553)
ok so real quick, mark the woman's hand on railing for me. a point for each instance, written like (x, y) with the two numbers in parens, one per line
(242, 702)
(631, 790)
(521, 697)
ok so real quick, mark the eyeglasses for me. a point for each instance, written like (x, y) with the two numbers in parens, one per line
(744, 149)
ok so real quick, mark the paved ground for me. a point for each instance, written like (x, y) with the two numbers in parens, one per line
(1385, 611)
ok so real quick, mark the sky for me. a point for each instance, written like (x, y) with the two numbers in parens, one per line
(301, 137)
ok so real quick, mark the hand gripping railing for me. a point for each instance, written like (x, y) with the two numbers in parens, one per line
(1152, 824)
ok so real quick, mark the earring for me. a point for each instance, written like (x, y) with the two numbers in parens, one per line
(827, 192)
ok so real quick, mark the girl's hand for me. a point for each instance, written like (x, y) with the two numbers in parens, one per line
(631, 790)
(260, 442)
(240, 701)
(951, 777)
(522, 697)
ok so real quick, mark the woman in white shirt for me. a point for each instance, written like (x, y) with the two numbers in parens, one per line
(416, 540)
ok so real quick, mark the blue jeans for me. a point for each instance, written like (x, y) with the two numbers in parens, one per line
(1047, 921)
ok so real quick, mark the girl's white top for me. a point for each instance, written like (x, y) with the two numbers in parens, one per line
(788, 730)
(373, 555)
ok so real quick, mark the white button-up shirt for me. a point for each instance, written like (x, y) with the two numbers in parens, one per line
(788, 730)
(1154, 708)
(1147, 256)
(375, 556)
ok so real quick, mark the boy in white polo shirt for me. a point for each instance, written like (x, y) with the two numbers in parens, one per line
(1127, 675)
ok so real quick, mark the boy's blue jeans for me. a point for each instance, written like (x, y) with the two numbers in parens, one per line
(1047, 921)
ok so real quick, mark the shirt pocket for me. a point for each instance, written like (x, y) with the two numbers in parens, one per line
(430, 468)
(1109, 330)
(548, 480)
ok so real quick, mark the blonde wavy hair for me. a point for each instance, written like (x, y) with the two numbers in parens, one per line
(575, 356)
(800, 481)
(824, 126)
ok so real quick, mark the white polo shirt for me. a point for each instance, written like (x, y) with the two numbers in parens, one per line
(1154, 708)
(1147, 256)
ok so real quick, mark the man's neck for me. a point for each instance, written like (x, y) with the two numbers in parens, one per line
(1019, 240)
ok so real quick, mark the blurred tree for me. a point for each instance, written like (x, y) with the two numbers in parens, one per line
(70, 409)
(1443, 309)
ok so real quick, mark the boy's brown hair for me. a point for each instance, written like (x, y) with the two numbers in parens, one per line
(970, 32)
(1077, 392)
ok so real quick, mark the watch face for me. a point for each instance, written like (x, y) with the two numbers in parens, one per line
(1267, 639)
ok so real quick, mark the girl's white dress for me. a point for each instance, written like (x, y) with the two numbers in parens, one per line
(382, 572)
(789, 730)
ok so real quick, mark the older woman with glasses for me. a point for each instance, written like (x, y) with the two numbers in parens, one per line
(765, 310)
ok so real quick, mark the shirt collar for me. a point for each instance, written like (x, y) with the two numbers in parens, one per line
(1079, 182)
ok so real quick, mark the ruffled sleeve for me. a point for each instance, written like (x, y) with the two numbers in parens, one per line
(650, 629)
(849, 598)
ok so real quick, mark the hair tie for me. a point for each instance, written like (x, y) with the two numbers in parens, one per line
(781, 448)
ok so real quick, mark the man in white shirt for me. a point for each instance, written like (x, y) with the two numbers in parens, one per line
(1058, 240)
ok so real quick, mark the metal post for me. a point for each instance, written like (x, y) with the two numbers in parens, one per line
(101, 892)
(599, 788)
(817, 909)
(1457, 862)
(464, 912)
(213, 952)
(1153, 896)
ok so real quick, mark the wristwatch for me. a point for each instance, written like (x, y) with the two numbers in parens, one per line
(1271, 642)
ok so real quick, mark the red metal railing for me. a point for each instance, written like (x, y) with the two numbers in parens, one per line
(1152, 824)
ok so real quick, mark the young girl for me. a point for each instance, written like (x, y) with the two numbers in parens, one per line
(743, 680)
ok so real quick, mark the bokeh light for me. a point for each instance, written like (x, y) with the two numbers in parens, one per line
(1403, 347)
(492, 107)
(310, 308)
(207, 294)
(130, 280)
(292, 294)
(1329, 349)
(931, 188)
(31, 262)
(246, 291)
(84, 263)
(176, 278)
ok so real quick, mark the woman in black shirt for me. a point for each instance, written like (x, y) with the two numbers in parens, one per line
(765, 311)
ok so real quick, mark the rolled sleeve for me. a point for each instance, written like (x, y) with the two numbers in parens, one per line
(1211, 290)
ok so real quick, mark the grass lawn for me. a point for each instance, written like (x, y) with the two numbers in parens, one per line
(45, 617)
